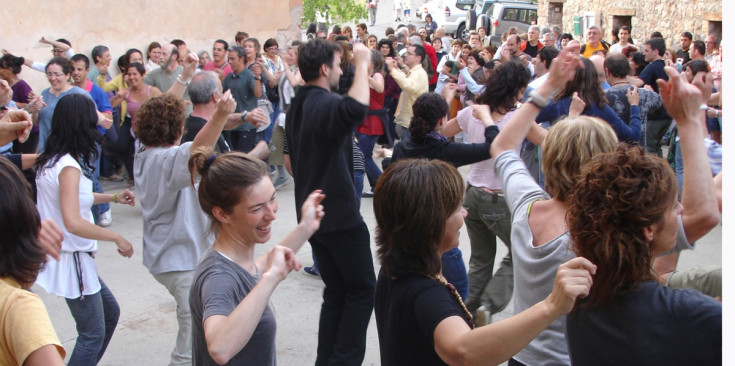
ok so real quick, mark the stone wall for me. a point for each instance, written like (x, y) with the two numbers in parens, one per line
(670, 17)
(136, 23)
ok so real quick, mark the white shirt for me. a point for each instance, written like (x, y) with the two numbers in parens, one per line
(60, 277)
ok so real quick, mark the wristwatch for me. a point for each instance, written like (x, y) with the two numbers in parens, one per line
(242, 115)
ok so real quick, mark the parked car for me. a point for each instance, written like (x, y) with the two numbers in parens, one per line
(445, 13)
(499, 15)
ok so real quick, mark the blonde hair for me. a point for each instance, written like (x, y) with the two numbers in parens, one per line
(570, 144)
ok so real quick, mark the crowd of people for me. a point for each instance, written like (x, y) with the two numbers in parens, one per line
(565, 144)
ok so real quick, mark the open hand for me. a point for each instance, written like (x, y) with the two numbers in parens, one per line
(312, 211)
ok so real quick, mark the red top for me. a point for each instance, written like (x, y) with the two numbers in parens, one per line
(373, 125)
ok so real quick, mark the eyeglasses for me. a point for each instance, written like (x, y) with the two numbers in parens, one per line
(272, 48)
(56, 74)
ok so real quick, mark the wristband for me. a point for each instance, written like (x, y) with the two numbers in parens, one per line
(703, 107)
(114, 198)
(178, 80)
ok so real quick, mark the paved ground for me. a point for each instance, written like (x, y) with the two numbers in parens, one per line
(147, 328)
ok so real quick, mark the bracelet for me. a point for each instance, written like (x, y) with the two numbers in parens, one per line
(536, 99)
(184, 83)
(703, 107)
(114, 198)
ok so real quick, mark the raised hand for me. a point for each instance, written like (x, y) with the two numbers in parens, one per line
(225, 105)
(681, 99)
(577, 106)
(312, 211)
(279, 262)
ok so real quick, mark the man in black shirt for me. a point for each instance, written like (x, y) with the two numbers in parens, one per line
(319, 126)
(658, 123)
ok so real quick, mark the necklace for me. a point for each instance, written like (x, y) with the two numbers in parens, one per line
(454, 292)
(620, 83)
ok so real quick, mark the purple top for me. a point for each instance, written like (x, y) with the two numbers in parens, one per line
(21, 89)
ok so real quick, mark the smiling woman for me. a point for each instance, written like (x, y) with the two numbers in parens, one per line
(232, 318)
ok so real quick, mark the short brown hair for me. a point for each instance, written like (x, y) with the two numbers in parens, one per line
(409, 242)
(223, 179)
(160, 120)
(618, 195)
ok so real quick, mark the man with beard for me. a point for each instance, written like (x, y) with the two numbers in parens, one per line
(320, 151)
(168, 74)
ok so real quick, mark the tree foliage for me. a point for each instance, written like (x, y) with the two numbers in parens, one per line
(340, 11)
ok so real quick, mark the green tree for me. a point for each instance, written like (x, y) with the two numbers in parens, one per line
(340, 11)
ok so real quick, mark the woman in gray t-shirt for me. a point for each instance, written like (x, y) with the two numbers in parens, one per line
(232, 319)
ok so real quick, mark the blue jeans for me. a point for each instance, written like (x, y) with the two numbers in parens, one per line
(679, 162)
(358, 177)
(366, 143)
(96, 317)
(455, 272)
(96, 188)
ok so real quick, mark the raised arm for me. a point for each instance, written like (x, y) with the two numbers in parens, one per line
(209, 134)
(562, 69)
(360, 90)
(182, 81)
(682, 100)
(456, 344)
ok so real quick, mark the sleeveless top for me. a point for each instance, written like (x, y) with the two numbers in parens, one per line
(133, 105)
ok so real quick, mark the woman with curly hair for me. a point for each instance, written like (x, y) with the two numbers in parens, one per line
(488, 217)
(623, 213)
(585, 85)
(63, 178)
(28, 336)
(175, 232)
(421, 318)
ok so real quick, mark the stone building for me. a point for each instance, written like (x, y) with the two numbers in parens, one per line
(670, 17)
(136, 23)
